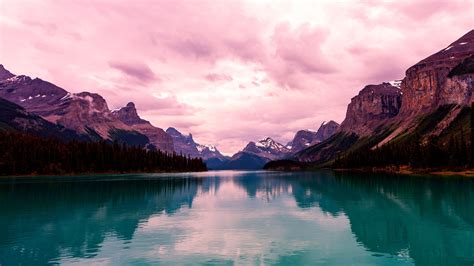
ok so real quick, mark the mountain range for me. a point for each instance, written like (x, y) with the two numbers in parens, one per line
(429, 106)
(41, 108)
(256, 154)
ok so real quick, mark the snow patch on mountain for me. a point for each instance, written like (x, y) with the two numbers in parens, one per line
(396, 83)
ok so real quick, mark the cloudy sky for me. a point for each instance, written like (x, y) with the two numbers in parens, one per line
(228, 71)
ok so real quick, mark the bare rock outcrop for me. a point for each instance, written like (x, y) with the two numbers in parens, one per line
(306, 138)
(429, 84)
(372, 107)
(185, 144)
(157, 136)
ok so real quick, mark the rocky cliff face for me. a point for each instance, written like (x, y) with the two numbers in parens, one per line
(185, 144)
(157, 136)
(5, 74)
(326, 130)
(371, 108)
(459, 85)
(84, 111)
(302, 139)
(129, 115)
(428, 85)
(444, 78)
(307, 138)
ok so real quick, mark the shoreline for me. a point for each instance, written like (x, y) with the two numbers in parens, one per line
(96, 174)
(387, 170)
(396, 170)
(409, 171)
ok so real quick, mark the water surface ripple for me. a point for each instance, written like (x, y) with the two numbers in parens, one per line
(241, 218)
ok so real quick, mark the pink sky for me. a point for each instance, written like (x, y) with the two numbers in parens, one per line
(227, 71)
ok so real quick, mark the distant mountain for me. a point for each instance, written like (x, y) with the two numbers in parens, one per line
(326, 130)
(267, 148)
(305, 138)
(245, 161)
(185, 144)
(85, 113)
(256, 154)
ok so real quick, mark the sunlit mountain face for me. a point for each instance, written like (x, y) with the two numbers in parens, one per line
(228, 72)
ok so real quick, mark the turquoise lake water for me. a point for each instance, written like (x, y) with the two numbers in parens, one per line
(237, 218)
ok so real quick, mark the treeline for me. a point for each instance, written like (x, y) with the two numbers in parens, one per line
(22, 154)
(453, 151)
(415, 153)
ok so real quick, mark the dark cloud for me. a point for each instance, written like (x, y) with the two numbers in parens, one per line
(139, 71)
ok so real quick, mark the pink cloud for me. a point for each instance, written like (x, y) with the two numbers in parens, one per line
(215, 77)
(424, 9)
(300, 48)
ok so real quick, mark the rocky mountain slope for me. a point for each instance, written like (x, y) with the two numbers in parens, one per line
(16, 118)
(429, 107)
(305, 138)
(157, 136)
(245, 161)
(256, 154)
(267, 148)
(428, 84)
(185, 144)
(85, 113)
(372, 107)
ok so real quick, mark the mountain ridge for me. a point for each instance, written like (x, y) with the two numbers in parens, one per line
(432, 96)
(84, 112)
(185, 144)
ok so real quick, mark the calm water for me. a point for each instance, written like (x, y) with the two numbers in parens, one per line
(263, 218)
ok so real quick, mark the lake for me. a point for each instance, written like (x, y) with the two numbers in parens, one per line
(237, 218)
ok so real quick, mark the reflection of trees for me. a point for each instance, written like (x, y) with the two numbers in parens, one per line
(426, 217)
(429, 219)
(76, 217)
(263, 185)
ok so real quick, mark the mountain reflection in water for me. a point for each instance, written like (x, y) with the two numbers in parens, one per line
(238, 217)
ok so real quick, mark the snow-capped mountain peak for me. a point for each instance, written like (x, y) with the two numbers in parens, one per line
(269, 143)
(265, 143)
(185, 144)
(267, 148)
(201, 148)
